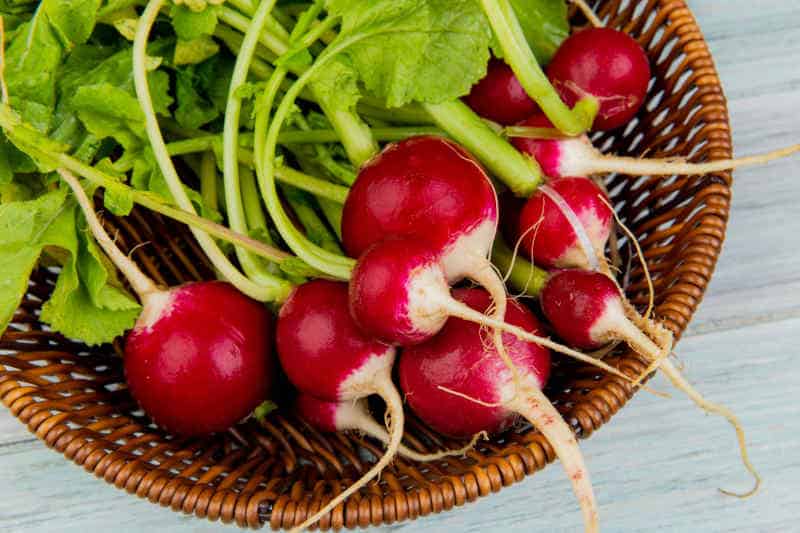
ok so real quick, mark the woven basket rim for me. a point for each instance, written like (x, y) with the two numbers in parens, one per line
(283, 506)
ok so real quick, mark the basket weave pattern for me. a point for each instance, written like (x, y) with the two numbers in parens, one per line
(278, 471)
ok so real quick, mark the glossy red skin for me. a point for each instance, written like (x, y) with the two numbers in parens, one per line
(319, 345)
(320, 414)
(546, 152)
(461, 359)
(424, 186)
(205, 363)
(608, 64)
(573, 301)
(555, 236)
(380, 289)
(499, 96)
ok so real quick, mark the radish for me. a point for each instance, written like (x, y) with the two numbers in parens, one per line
(604, 63)
(399, 294)
(324, 354)
(199, 358)
(455, 388)
(576, 156)
(499, 96)
(566, 223)
(587, 310)
(354, 416)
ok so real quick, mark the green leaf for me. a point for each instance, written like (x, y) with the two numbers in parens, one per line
(194, 51)
(84, 304)
(73, 19)
(108, 111)
(190, 25)
(336, 85)
(415, 50)
(545, 25)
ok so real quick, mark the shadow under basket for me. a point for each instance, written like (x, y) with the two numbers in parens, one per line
(279, 471)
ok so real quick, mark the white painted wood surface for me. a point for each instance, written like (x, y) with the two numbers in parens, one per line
(657, 465)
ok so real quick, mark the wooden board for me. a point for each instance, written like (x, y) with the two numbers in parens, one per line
(658, 464)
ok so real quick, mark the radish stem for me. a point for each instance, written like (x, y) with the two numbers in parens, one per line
(521, 274)
(520, 173)
(520, 58)
(142, 285)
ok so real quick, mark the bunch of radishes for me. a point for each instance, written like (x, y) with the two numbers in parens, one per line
(422, 217)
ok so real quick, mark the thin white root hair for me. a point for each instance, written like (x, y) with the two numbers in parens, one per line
(468, 398)
(515, 252)
(588, 12)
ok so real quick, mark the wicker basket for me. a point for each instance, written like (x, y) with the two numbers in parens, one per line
(279, 471)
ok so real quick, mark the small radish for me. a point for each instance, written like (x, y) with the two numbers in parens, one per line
(199, 358)
(399, 294)
(587, 310)
(354, 416)
(604, 63)
(564, 219)
(457, 389)
(324, 354)
(576, 156)
(499, 96)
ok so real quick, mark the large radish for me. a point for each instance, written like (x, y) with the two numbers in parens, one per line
(354, 416)
(324, 354)
(191, 346)
(587, 310)
(576, 156)
(453, 386)
(604, 63)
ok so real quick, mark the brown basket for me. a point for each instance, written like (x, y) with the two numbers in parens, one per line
(279, 471)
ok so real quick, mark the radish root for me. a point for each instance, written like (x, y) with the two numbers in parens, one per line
(538, 410)
(396, 420)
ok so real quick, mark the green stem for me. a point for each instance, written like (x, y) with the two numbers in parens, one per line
(236, 20)
(208, 181)
(333, 214)
(408, 114)
(519, 172)
(524, 276)
(314, 227)
(277, 288)
(332, 264)
(253, 267)
(37, 145)
(254, 212)
(517, 53)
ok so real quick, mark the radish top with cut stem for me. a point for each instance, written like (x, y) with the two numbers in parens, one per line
(564, 222)
(587, 310)
(576, 156)
(191, 346)
(499, 96)
(355, 416)
(325, 354)
(426, 187)
(604, 63)
(458, 386)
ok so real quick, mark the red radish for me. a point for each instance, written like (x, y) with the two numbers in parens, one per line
(427, 187)
(587, 310)
(199, 358)
(499, 96)
(457, 389)
(604, 63)
(399, 294)
(563, 220)
(354, 416)
(324, 354)
(576, 156)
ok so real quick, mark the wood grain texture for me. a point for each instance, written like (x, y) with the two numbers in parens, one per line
(657, 465)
